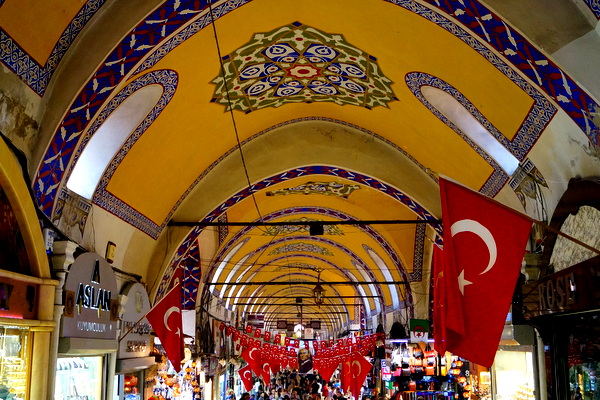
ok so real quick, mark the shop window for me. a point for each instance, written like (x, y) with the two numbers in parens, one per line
(79, 378)
(14, 362)
(583, 355)
(514, 375)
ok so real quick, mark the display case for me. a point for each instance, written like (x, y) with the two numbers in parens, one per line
(514, 374)
(14, 362)
(79, 378)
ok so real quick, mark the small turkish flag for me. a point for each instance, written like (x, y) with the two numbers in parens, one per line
(246, 377)
(253, 357)
(327, 367)
(165, 318)
(484, 245)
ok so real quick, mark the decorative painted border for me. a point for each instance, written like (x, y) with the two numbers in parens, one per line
(594, 5)
(537, 119)
(417, 273)
(298, 172)
(523, 55)
(169, 80)
(26, 68)
(154, 34)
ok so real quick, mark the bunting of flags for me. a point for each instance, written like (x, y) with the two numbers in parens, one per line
(265, 358)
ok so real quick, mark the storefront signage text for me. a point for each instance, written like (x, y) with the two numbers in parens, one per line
(90, 310)
(558, 293)
(87, 297)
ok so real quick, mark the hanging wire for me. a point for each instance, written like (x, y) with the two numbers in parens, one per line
(237, 136)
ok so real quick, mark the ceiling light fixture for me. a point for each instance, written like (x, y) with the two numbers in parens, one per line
(318, 292)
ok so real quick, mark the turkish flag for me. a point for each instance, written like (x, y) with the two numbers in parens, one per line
(346, 375)
(326, 367)
(484, 245)
(246, 377)
(359, 369)
(440, 301)
(253, 357)
(266, 372)
(165, 318)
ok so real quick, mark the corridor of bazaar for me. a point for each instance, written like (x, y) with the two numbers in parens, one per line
(316, 200)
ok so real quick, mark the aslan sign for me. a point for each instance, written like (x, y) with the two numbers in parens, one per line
(89, 296)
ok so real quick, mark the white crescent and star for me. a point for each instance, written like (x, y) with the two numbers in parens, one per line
(252, 350)
(245, 376)
(170, 311)
(359, 368)
(469, 225)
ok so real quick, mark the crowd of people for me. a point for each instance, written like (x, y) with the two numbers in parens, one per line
(292, 385)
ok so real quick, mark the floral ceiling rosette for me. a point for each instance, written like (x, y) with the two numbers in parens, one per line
(298, 63)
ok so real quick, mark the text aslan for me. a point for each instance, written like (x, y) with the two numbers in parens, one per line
(90, 297)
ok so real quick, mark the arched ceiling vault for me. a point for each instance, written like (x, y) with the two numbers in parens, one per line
(196, 116)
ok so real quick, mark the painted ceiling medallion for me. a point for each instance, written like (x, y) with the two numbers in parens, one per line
(298, 63)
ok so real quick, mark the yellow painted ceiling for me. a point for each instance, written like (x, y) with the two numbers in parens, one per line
(202, 131)
(37, 25)
(187, 163)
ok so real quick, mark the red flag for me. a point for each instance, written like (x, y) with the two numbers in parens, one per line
(326, 367)
(266, 372)
(345, 375)
(165, 318)
(359, 369)
(252, 356)
(246, 377)
(484, 244)
(439, 301)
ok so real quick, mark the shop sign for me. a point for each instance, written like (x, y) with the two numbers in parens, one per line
(90, 299)
(386, 374)
(571, 289)
(18, 299)
(135, 329)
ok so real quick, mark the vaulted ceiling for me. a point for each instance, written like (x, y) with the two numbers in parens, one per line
(212, 136)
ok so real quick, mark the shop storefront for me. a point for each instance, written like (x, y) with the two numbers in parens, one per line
(26, 290)
(564, 302)
(24, 340)
(418, 370)
(135, 344)
(515, 372)
(87, 346)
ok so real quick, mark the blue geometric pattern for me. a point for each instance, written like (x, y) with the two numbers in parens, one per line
(594, 5)
(186, 18)
(490, 28)
(26, 68)
(168, 79)
(417, 273)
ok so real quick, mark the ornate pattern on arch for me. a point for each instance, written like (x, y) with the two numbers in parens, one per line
(151, 40)
(538, 118)
(594, 5)
(524, 56)
(297, 63)
(34, 75)
(169, 80)
(390, 252)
